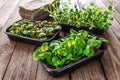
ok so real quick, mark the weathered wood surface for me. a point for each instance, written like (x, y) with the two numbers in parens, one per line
(7, 47)
(43, 75)
(111, 59)
(16, 62)
(6, 10)
(91, 71)
(1, 28)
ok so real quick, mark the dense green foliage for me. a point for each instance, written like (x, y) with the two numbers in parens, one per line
(68, 50)
(35, 29)
(94, 16)
(89, 16)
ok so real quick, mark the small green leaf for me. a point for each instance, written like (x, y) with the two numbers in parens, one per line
(35, 55)
(44, 47)
(103, 40)
(110, 8)
(86, 51)
(91, 52)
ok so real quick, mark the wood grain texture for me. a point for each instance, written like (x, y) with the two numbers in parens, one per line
(6, 49)
(1, 28)
(43, 75)
(2, 2)
(21, 66)
(111, 59)
(7, 46)
(118, 6)
(116, 29)
(7, 10)
(117, 16)
(91, 71)
(16, 62)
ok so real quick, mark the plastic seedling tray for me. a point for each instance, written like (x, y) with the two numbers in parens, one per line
(96, 31)
(73, 66)
(29, 40)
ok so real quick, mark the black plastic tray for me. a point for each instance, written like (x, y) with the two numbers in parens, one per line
(73, 66)
(96, 31)
(28, 39)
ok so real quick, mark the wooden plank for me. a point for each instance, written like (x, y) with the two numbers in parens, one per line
(0, 28)
(91, 71)
(6, 49)
(118, 7)
(116, 29)
(7, 9)
(6, 46)
(117, 17)
(111, 59)
(2, 2)
(43, 75)
(22, 66)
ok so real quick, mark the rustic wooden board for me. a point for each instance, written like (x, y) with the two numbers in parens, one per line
(7, 9)
(16, 62)
(117, 17)
(111, 59)
(6, 46)
(116, 29)
(6, 49)
(21, 66)
(91, 71)
(43, 75)
(2, 2)
(1, 28)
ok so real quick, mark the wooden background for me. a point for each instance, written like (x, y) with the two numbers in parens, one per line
(16, 62)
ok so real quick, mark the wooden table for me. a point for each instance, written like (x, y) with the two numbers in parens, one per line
(16, 62)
